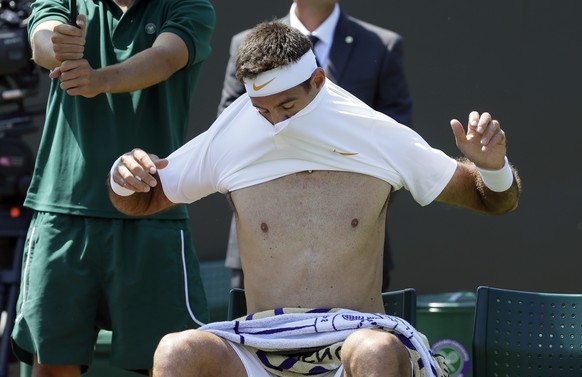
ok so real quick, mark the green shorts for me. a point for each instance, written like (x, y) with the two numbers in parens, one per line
(139, 278)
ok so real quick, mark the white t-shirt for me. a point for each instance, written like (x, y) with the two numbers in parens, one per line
(335, 132)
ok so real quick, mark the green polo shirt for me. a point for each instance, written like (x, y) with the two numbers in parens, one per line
(82, 137)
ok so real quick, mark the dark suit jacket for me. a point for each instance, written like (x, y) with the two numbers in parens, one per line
(364, 59)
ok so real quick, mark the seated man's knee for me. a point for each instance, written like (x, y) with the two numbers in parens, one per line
(178, 348)
(178, 354)
(371, 352)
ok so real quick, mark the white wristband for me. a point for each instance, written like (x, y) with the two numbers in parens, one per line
(118, 189)
(497, 180)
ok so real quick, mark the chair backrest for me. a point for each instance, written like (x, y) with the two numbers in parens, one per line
(400, 303)
(518, 333)
(237, 305)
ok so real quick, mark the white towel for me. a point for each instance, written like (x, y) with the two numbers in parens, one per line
(295, 329)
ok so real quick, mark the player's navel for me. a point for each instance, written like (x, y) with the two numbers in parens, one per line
(355, 223)
(264, 227)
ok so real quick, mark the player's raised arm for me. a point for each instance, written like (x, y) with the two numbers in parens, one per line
(485, 181)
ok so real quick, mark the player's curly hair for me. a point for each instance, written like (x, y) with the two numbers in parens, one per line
(269, 45)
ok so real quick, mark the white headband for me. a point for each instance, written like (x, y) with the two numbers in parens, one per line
(282, 78)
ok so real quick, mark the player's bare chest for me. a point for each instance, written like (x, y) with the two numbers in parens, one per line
(314, 191)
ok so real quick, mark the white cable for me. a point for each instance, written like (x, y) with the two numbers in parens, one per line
(186, 282)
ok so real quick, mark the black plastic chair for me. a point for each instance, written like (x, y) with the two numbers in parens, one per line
(519, 333)
(401, 303)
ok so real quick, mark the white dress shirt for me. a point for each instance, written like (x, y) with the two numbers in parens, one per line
(324, 32)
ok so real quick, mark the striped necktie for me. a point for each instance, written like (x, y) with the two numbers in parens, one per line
(314, 39)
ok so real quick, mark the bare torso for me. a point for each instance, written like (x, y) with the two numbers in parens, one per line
(313, 240)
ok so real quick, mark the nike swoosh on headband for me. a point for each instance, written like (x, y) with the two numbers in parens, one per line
(259, 87)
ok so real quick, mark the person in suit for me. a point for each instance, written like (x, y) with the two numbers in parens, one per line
(362, 58)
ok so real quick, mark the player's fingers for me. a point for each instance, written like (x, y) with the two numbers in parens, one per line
(490, 131)
(161, 163)
(135, 170)
(473, 120)
(498, 138)
(484, 122)
(458, 130)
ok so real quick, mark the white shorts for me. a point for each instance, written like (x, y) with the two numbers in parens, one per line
(254, 367)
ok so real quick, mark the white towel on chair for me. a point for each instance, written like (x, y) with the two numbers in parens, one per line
(295, 329)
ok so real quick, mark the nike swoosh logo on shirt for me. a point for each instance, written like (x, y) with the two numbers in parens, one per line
(344, 153)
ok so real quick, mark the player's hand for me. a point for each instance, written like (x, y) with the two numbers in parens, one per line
(483, 142)
(136, 169)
